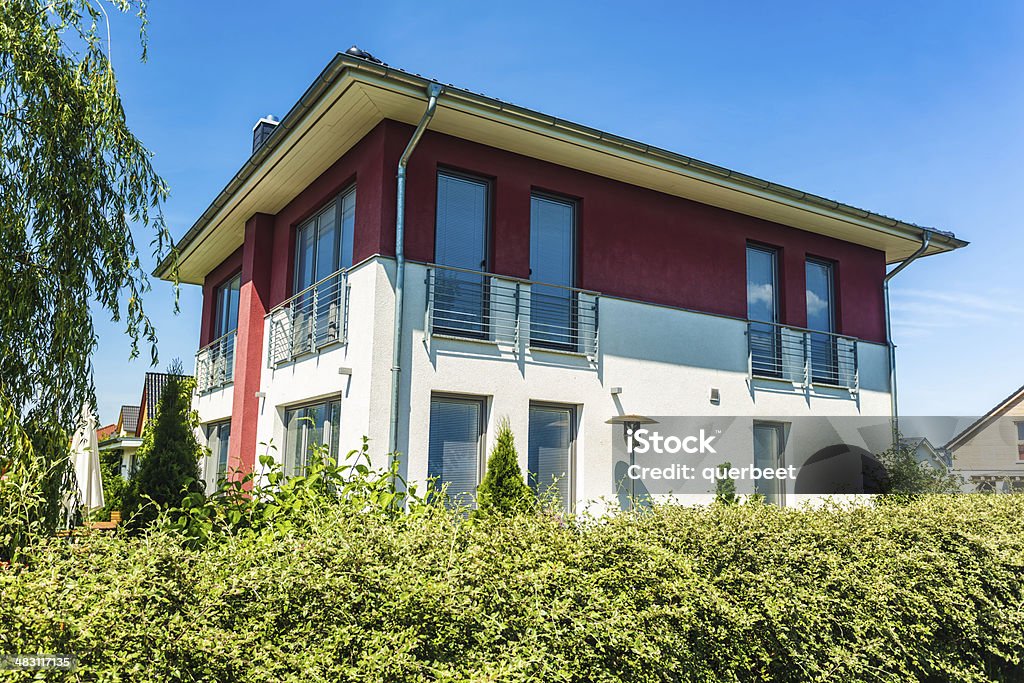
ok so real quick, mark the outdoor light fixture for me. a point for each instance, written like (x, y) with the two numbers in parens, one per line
(630, 423)
(616, 391)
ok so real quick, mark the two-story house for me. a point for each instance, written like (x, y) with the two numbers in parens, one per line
(413, 262)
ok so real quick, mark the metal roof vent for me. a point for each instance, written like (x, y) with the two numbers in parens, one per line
(354, 51)
(262, 131)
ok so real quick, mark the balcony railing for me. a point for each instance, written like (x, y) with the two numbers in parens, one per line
(215, 363)
(475, 305)
(312, 319)
(804, 357)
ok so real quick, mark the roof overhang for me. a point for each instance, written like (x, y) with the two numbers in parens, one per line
(353, 95)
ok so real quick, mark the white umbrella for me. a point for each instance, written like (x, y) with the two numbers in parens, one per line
(86, 455)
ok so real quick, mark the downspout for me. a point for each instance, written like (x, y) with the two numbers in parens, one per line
(433, 91)
(926, 239)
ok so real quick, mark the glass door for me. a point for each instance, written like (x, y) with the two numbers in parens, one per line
(553, 314)
(463, 222)
(763, 311)
(821, 320)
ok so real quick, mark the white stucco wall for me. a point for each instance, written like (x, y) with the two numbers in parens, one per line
(665, 360)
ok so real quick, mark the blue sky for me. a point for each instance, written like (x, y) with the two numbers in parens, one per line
(911, 109)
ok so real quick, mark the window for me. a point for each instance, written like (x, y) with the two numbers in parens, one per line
(307, 427)
(218, 435)
(461, 237)
(821, 320)
(323, 247)
(324, 242)
(763, 311)
(553, 262)
(455, 455)
(1020, 441)
(769, 452)
(225, 319)
(551, 450)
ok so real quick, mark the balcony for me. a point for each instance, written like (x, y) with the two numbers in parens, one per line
(312, 319)
(215, 364)
(480, 306)
(804, 357)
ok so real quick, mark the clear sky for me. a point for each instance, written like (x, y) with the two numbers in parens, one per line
(910, 109)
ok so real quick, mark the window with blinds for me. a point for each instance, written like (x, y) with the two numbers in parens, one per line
(551, 452)
(455, 452)
(462, 226)
(307, 427)
(553, 262)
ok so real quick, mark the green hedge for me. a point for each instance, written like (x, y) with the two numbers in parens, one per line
(930, 591)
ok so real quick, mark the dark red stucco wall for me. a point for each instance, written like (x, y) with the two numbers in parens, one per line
(633, 242)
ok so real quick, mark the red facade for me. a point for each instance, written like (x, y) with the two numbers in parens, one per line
(633, 243)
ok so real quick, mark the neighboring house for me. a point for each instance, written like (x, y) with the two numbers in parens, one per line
(926, 453)
(989, 454)
(554, 274)
(126, 435)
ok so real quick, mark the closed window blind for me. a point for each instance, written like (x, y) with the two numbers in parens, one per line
(550, 452)
(456, 429)
(461, 222)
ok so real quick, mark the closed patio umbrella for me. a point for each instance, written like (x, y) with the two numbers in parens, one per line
(85, 453)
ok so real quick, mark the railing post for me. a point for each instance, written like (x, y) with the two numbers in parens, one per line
(597, 325)
(516, 333)
(806, 337)
(428, 309)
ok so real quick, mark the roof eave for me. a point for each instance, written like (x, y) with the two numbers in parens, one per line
(941, 240)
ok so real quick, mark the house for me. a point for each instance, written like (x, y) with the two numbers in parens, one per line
(989, 454)
(926, 453)
(126, 435)
(544, 271)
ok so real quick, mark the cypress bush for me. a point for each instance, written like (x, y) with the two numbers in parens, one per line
(503, 490)
(927, 591)
(169, 455)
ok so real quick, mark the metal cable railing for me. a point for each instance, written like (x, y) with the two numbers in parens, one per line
(215, 363)
(476, 305)
(315, 317)
(802, 356)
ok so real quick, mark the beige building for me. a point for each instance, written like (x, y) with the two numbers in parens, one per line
(989, 454)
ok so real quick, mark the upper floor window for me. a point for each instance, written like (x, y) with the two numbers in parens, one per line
(553, 319)
(821, 320)
(225, 318)
(309, 428)
(1020, 441)
(763, 311)
(460, 242)
(323, 244)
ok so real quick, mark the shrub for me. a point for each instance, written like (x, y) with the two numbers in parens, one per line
(928, 591)
(169, 455)
(503, 490)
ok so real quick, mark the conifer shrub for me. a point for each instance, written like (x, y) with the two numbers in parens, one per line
(169, 455)
(503, 490)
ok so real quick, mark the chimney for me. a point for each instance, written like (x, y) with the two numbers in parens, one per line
(262, 131)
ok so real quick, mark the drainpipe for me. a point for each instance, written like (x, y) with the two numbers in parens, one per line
(926, 239)
(433, 91)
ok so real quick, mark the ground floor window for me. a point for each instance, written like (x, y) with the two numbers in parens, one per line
(218, 434)
(309, 426)
(769, 452)
(551, 442)
(456, 448)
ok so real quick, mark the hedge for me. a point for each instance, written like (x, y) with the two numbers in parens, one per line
(928, 591)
